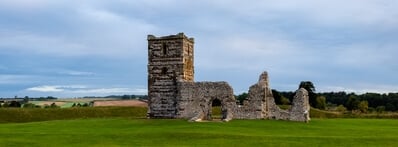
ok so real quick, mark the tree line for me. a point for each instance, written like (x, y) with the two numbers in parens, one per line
(338, 100)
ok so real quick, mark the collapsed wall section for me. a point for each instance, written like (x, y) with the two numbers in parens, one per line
(194, 100)
(260, 104)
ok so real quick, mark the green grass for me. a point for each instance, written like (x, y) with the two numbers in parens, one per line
(8, 115)
(158, 132)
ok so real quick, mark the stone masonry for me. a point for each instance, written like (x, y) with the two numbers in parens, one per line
(173, 93)
(260, 104)
(195, 100)
(170, 58)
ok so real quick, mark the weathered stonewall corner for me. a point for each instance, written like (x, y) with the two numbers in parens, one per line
(173, 93)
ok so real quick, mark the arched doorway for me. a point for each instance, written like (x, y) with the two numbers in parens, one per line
(215, 111)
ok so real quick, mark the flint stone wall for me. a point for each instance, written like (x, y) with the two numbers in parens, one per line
(172, 92)
(260, 104)
(194, 100)
(170, 58)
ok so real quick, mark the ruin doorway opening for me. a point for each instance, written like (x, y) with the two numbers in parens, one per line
(215, 111)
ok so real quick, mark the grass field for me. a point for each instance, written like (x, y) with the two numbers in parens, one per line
(18, 115)
(145, 132)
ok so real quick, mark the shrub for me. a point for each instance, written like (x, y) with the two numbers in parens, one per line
(85, 105)
(341, 108)
(380, 109)
(5, 105)
(53, 105)
(46, 106)
(371, 109)
(29, 105)
(14, 104)
(321, 102)
(363, 106)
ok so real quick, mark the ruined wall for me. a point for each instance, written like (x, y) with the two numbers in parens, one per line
(300, 110)
(260, 104)
(170, 58)
(172, 92)
(194, 100)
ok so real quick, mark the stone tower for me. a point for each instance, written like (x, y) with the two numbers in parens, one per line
(170, 59)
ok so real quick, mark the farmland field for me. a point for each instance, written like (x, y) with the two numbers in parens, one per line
(161, 132)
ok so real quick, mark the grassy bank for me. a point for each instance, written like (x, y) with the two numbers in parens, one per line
(316, 113)
(10, 115)
(149, 132)
(40, 114)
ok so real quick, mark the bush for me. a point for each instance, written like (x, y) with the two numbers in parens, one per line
(14, 104)
(5, 105)
(30, 105)
(380, 109)
(371, 109)
(321, 102)
(363, 106)
(53, 105)
(46, 106)
(341, 108)
(284, 101)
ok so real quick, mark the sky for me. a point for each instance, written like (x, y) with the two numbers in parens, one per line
(73, 48)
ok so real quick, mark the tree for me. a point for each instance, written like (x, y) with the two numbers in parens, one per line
(14, 104)
(26, 99)
(390, 107)
(284, 101)
(320, 102)
(363, 106)
(277, 96)
(307, 85)
(241, 97)
(352, 103)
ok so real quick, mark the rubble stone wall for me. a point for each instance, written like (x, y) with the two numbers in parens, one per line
(194, 100)
(172, 92)
(170, 59)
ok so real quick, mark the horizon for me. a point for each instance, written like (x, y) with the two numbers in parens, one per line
(73, 48)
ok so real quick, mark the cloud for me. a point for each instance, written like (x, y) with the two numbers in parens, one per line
(353, 13)
(110, 91)
(366, 55)
(46, 89)
(15, 79)
(84, 90)
(38, 44)
(24, 5)
(361, 88)
(78, 73)
(92, 31)
(68, 41)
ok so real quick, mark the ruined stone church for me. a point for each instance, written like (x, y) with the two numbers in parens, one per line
(173, 93)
